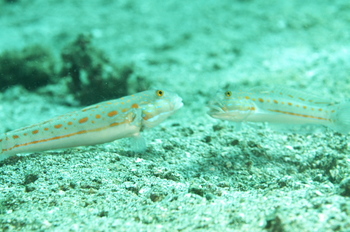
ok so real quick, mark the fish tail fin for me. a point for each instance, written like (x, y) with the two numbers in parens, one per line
(341, 118)
(4, 154)
(138, 144)
(2, 157)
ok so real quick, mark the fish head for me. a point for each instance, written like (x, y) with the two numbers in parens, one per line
(160, 106)
(228, 105)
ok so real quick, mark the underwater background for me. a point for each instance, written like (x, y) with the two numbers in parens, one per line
(198, 173)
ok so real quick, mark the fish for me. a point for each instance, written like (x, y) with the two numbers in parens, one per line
(100, 123)
(280, 106)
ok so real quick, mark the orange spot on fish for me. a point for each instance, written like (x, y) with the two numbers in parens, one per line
(15, 136)
(125, 110)
(290, 104)
(114, 124)
(58, 126)
(247, 97)
(70, 123)
(146, 117)
(112, 113)
(35, 131)
(305, 107)
(135, 105)
(83, 120)
(98, 116)
(261, 100)
(46, 128)
(275, 101)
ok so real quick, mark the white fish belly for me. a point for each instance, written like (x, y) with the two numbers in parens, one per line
(73, 139)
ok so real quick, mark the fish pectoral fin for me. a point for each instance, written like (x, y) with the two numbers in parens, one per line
(138, 144)
(134, 117)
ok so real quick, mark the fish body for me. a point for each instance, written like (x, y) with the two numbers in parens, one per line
(99, 123)
(280, 106)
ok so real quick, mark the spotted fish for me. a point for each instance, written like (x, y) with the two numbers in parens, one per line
(100, 123)
(280, 106)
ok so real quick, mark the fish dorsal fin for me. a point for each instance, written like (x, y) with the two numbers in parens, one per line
(296, 95)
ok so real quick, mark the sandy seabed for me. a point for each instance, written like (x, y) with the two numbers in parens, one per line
(198, 174)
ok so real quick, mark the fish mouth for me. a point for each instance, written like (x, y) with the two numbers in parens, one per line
(215, 109)
(177, 104)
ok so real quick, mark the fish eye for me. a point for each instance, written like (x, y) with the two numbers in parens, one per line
(160, 93)
(228, 93)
